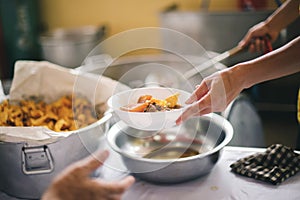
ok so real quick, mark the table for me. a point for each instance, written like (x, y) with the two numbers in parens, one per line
(219, 184)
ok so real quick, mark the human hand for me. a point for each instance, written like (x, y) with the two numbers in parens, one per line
(213, 95)
(75, 182)
(259, 38)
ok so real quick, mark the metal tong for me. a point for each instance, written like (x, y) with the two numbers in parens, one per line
(268, 48)
(190, 73)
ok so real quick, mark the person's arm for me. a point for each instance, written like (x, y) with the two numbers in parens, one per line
(75, 182)
(218, 90)
(272, 26)
(283, 16)
(281, 62)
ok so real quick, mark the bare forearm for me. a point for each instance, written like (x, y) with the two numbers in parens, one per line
(281, 62)
(283, 16)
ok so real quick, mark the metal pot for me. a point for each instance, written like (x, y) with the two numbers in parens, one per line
(27, 170)
(206, 135)
(29, 165)
(69, 47)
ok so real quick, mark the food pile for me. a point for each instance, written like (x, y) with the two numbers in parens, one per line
(147, 103)
(68, 113)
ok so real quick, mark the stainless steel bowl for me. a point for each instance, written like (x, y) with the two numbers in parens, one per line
(159, 157)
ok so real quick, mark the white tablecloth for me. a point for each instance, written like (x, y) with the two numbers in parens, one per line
(219, 184)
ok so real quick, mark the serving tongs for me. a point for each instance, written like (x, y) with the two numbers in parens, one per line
(190, 73)
(155, 79)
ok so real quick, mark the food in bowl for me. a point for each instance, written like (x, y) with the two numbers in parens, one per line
(149, 121)
(147, 103)
(68, 113)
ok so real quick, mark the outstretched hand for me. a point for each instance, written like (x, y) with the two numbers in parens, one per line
(75, 182)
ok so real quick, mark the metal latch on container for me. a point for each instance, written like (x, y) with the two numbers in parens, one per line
(36, 160)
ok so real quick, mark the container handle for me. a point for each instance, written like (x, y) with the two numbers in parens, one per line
(36, 160)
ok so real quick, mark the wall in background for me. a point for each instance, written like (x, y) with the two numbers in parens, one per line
(122, 15)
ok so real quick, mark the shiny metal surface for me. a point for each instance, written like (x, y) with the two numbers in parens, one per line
(207, 135)
(62, 153)
(69, 47)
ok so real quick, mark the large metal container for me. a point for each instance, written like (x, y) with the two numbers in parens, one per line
(26, 170)
(28, 165)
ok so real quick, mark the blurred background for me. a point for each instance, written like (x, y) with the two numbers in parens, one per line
(23, 21)
(63, 32)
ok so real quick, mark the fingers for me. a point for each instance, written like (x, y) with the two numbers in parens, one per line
(260, 44)
(126, 182)
(201, 90)
(201, 107)
(92, 162)
(244, 42)
(121, 186)
(115, 188)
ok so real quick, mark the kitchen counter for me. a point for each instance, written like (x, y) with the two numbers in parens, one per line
(220, 183)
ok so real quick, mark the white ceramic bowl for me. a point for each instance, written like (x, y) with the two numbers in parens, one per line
(148, 121)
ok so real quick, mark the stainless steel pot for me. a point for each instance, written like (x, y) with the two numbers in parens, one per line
(28, 164)
(26, 170)
(207, 135)
(69, 47)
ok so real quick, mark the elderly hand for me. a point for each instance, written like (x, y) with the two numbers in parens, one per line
(75, 182)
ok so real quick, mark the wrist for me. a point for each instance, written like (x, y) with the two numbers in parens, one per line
(270, 27)
(239, 75)
(268, 24)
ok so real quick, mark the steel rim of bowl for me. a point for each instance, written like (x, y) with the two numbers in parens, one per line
(112, 133)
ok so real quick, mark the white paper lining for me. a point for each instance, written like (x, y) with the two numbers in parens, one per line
(33, 78)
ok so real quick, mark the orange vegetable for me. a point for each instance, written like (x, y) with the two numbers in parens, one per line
(172, 100)
(144, 98)
(139, 107)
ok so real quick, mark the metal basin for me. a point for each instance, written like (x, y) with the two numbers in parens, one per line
(169, 156)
